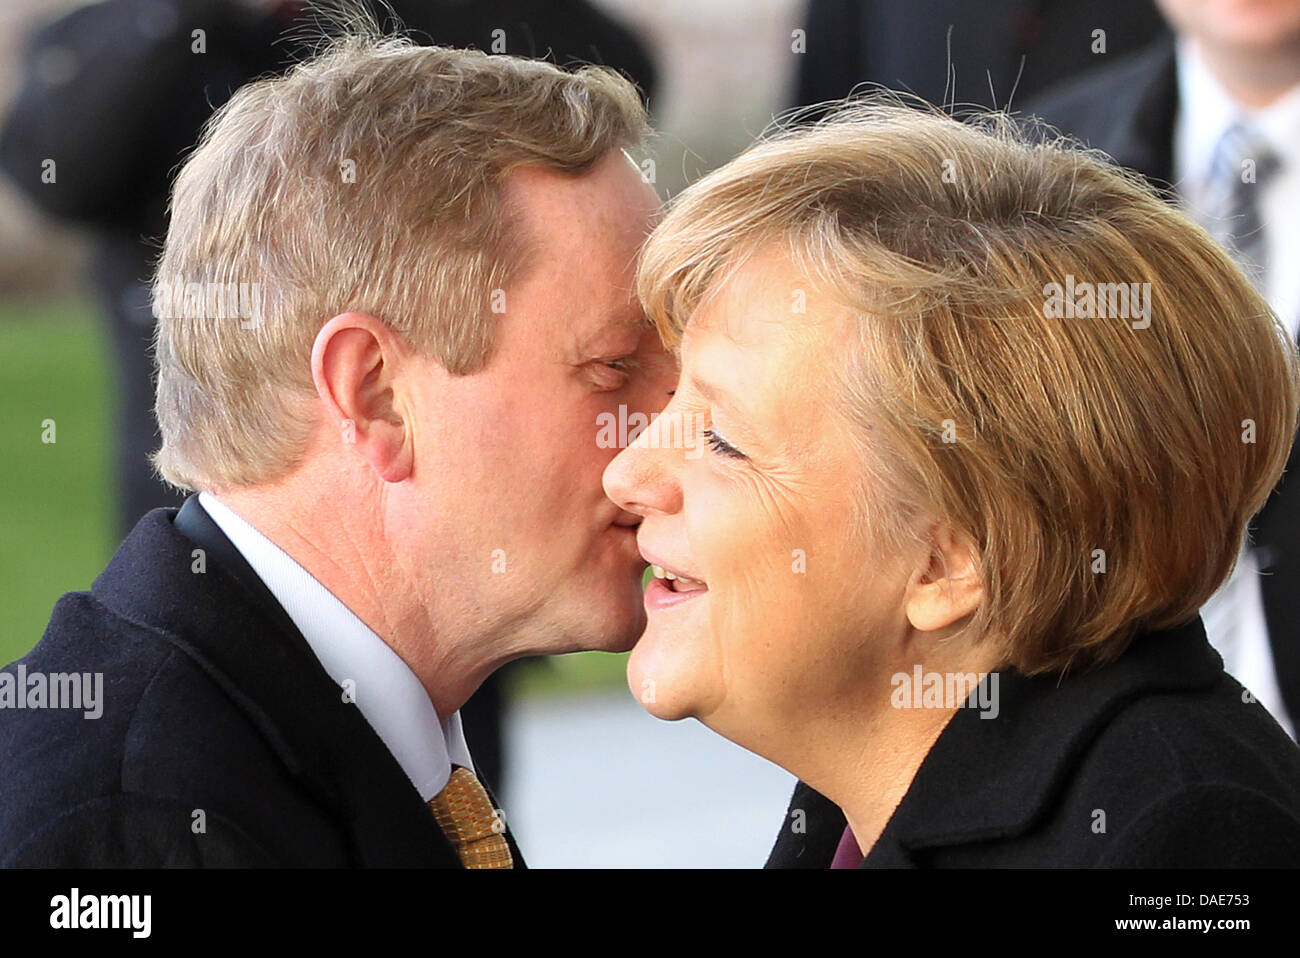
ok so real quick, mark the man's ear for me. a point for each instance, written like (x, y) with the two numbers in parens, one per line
(945, 587)
(353, 363)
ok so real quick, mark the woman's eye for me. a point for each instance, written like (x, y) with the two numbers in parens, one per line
(721, 446)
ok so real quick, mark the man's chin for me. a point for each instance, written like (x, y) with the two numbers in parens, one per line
(617, 632)
(617, 646)
(625, 637)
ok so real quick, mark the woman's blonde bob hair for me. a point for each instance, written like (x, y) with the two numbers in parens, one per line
(1103, 457)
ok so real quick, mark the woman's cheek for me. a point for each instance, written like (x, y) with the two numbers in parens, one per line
(723, 517)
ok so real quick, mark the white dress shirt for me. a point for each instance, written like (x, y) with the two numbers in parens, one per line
(1205, 112)
(1234, 616)
(386, 691)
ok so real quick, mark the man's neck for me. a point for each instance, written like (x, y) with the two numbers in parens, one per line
(341, 550)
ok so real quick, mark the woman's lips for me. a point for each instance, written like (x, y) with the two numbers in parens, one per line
(669, 587)
(681, 583)
(659, 594)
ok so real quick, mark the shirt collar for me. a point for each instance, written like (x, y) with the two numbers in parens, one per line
(389, 695)
(1279, 124)
(1206, 110)
(1215, 109)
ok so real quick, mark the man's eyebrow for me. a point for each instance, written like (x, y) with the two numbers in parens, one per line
(596, 340)
(588, 336)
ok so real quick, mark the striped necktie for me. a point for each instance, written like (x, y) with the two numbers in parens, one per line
(1242, 165)
(466, 816)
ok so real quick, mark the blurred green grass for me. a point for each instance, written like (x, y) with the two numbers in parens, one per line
(55, 510)
(56, 525)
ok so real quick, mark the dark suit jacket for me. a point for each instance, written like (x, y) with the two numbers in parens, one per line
(1128, 110)
(213, 702)
(1020, 45)
(1158, 748)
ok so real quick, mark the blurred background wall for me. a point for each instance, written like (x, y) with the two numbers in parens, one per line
(35, 258)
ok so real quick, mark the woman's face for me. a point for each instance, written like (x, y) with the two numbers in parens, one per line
(747, 483)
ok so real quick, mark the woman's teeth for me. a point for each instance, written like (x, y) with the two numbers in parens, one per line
(685, 584)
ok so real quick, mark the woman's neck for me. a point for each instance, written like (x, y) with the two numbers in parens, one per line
(864, 752)
(875, 775)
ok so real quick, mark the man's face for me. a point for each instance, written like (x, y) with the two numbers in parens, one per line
(1262, 27)
(534, 554)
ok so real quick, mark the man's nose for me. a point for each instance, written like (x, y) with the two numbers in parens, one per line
(643, 478)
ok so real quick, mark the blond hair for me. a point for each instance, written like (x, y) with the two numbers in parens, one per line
(1105, 470)
(369, 178)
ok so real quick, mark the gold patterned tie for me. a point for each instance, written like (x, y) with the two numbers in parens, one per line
(466, 816)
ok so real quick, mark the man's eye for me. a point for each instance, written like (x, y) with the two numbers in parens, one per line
(721, 446)
(612, 373)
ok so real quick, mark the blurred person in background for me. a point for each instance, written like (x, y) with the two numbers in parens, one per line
(947, 51)
(942, 552)
(1211, 115)
(114, 95)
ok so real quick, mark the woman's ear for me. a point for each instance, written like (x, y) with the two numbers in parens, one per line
(353, 365)
(946, 587)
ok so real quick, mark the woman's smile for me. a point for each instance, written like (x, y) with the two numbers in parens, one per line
(670, 587)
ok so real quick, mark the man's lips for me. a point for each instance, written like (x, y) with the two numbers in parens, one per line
(626, 520)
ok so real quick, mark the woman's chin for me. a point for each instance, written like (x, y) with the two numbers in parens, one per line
(661, 682)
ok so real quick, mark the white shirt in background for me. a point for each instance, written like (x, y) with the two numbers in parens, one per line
(1234, 616)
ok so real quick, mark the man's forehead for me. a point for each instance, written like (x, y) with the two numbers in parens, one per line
(596, 231)
(580, 236)
(612, 189)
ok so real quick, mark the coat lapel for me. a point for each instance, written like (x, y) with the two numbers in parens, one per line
(1127, 110)
(227, 622)
(991, 779)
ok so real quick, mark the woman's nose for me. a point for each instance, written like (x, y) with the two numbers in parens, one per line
(643, 478)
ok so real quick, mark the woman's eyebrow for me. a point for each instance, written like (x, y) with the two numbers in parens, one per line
(714, 395)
